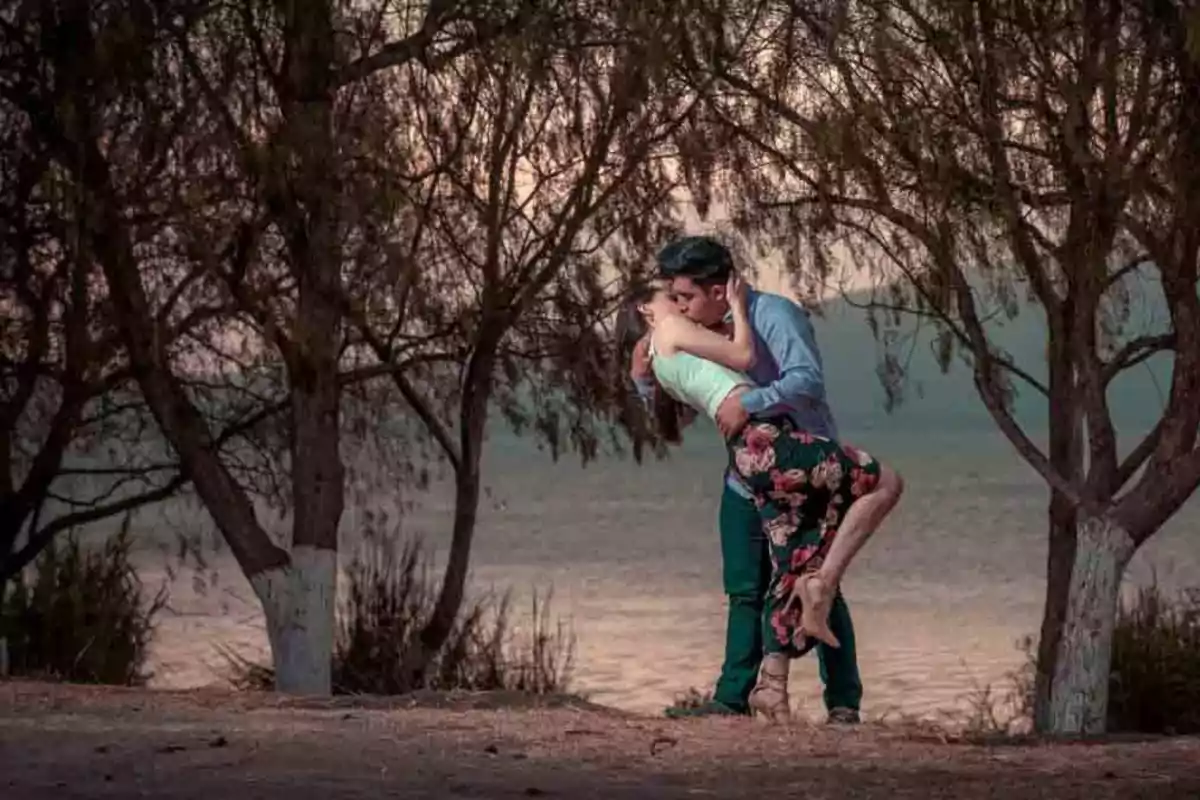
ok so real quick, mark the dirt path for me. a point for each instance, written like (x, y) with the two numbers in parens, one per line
(69, 742)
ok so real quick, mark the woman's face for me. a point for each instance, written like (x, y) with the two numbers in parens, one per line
(661, 305)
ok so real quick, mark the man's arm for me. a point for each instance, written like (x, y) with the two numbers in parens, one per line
(788, 333)
(680, 334)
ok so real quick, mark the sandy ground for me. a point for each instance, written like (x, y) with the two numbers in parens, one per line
(71, 742)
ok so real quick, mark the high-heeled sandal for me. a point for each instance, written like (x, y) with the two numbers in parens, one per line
(770, 697)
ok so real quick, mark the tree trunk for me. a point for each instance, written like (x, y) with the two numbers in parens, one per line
(300, 600)
(1060, 560)
(303, 598)
(1079, 695)
(180, 422)
(298, 592)
(1066, 455)
(298, 603)
(10, 534)
(477, 387)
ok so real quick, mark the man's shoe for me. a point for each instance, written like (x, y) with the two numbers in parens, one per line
(843, 716)
(709, 708)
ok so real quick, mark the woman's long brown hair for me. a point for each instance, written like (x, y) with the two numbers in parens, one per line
(631, 327)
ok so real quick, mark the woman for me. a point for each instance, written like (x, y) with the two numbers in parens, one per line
(819, 500)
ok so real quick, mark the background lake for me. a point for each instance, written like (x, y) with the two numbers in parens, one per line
(939, 598)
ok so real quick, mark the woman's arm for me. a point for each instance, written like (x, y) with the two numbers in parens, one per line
(680, 333)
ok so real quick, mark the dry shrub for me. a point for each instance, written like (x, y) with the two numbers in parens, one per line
(80, 615)
(1155, 685)
(390, 597)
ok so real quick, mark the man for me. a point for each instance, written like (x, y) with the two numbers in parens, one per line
(789, 375)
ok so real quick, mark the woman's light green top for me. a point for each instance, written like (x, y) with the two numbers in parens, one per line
(700, 383)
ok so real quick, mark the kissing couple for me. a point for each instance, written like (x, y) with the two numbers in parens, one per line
(797, 503)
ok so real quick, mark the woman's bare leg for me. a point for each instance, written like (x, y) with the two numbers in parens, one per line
(817, 589)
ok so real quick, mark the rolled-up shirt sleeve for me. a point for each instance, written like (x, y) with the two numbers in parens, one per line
(788, 333)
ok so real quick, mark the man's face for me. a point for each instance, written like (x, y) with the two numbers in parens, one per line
(706, 306)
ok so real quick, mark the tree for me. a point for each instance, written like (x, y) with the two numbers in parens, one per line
(325, 137)
(119, 93)
(69, 420)
(79, 443)
(980, 157)
(537, 179)
(251, 170)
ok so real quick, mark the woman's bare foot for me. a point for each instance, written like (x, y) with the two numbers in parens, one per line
(816, 601)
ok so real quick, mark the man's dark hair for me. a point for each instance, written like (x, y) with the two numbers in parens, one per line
(701, 258)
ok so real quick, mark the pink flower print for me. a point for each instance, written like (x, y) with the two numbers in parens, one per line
(816, 477)
(833, 472)
(862, 482)
(780, 620)
(761, 437)
(785, 485)
(789, 499)
(757, 453)
(780, 529)
(860, 457)
(832, 517)
(785, 586)
(749, 462)
(801, 556)
(789, 481)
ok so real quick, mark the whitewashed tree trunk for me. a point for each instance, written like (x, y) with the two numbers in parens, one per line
(1079, 693)
(299, 602)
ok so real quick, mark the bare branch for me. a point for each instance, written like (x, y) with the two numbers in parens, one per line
(1135, 352)
(38, 542)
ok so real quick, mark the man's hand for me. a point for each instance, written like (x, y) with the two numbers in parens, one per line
(731, 417)
(639, 363)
